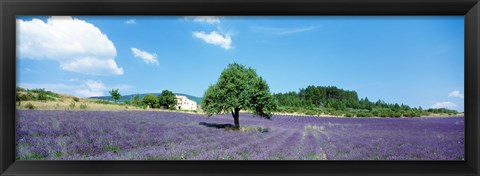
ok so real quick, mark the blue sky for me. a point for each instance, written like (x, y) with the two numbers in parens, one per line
(415, 60)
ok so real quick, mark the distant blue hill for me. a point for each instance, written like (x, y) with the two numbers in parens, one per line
(130, 97)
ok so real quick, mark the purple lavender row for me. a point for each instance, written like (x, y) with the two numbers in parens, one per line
(103, 135)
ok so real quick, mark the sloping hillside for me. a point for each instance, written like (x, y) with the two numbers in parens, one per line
(41, 99)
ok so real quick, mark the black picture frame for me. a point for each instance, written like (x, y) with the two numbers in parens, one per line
(10, 8)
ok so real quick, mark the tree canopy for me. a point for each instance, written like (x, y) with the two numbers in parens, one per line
(150, 100)
(239, 88)
(167, 99)
(115, 94)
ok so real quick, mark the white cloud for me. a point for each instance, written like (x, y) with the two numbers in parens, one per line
(281, 31)
(444, 104)
(456, 94)
(78, 46)
(91, 88)
(92, 65)
(215, 38)
(149, 58)
(81, 88)
(207, 19)
(131, 21)
(122, 87)
(73, 80)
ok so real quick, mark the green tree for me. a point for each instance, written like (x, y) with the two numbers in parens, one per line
(115, 94)
(167, 99)
(237, 88)
(150, 100)
(136, 100)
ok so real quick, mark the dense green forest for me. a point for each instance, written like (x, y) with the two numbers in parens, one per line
(317, 100)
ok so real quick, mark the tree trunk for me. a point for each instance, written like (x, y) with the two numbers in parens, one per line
(236, 116)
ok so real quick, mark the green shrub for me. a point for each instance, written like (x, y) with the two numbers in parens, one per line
(383, 114)
(72, 105)
(369, 114)
(310, 112)
(42, 96)
(290, 109)
(442, 110)
(364, 114)
(29, 106)
(83, 106)
(76, 99)
(337, 113)
(397, 114)
(103, 102)
(53, 94)
(46, 93)
(410, 114)
(30, 96)
(23, 97)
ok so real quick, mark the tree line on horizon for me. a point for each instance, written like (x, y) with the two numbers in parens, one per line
(165, 100)
(316, 100)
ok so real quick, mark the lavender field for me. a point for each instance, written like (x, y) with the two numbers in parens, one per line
(146, 135)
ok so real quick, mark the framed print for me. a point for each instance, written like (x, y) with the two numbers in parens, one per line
(253, 87)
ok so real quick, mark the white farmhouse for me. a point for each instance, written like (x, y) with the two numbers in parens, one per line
(183, 103)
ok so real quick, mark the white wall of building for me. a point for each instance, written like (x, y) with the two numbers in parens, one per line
(183, 103)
